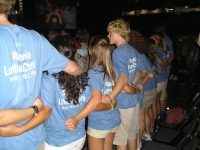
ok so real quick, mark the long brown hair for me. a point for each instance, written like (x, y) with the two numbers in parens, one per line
(100, 54)
(73, 85)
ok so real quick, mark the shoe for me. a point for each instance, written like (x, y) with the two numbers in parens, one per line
(175, 78)
(146, 137)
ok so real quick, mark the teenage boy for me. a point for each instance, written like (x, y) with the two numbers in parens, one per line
(126, 61)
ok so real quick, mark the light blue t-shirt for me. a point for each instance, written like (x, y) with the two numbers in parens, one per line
(161, 77)
(126, 62)
(149, 71)
(102, 120)
(24, 54)
(53, 96)
(151, 83)
(171, 50)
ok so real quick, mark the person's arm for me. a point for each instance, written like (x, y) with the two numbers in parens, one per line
(47, 20)
(13, 130)
(144, 81)
(143, 73)
(129, 89)
(13, 116)
(160, 61)
(83, 59)
(171, 57)
(68, 21)
(60, 20)
(121, 82)
(106, 106)
(136, 78)
(73, 68)
(92, 104)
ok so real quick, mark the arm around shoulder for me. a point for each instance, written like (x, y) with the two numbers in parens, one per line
(73, 68)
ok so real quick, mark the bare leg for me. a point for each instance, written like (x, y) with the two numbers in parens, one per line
(108, 144)
(154, 106)
(142, 123)
(132, 144)
(163, 101)
(138, 139)
(151, 118)
(158, 103)
(122, 147)
(147, 121)
(95, 143)
(166, 100)
(162, 105)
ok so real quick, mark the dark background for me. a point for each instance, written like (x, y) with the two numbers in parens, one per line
(94, 15)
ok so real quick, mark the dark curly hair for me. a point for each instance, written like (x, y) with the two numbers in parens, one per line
(138, 41)
(73, 85)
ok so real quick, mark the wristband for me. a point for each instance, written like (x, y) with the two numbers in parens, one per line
(156, 56)
(137, 92)
(112, 106)
(155, 72)
(132, 84)
(35, 110)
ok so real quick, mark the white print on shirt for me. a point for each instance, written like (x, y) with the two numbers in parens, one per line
(132, 65)
(20, 69)
(18, 44)
(66, 105)
(109, 86)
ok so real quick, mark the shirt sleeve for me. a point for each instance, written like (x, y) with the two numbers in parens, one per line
(48, 91)
(52, 60)
(140, 63)
(147, 65)
(95, 80)
(119, 61)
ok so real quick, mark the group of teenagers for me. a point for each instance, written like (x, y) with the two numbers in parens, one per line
(121, 92)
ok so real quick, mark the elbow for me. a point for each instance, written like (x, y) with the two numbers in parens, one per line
(49, 113)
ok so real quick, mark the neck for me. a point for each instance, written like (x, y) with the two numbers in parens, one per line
(121, 43)
(4, 21)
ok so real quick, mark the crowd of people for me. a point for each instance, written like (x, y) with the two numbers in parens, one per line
(57, 93)
(51, 16)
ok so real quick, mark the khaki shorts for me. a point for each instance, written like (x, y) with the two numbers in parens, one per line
(149, 97)
(100, 133)
(164, 92)
(129, 126)
(162, 86)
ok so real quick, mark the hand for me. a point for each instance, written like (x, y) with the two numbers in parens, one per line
(153, 67)
(105, 99)
(77, 55)
(71, 123)
(11, 130)
(39, 103)
(140, 86)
